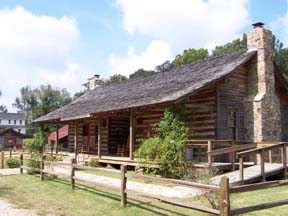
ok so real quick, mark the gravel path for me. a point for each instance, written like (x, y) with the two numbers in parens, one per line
(13, 171)
(7, 209)
(173, 191)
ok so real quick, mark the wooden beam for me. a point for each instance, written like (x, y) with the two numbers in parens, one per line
(57, 137)
(99, 136)
(76, 139)
(241, 168)
(209, 154)
(259, 207)
(284, 159)
(262, 164)
(224, 197)
(131, 135)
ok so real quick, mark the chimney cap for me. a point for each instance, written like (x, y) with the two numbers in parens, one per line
(258, 24)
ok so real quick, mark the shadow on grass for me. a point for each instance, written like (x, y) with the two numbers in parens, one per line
(147, 206)
(4, 190)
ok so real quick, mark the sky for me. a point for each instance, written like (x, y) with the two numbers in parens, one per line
(65, 42)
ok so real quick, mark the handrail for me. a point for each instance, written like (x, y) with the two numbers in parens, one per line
(259, 149)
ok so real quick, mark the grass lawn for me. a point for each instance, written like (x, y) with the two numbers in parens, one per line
(57, 198)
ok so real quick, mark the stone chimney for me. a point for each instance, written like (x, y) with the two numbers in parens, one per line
(93, 82)
(262, 105)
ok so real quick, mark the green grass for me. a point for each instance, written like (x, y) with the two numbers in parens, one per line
(55, 197)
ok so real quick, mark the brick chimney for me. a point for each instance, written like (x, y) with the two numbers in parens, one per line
(262, 105)
(93, 82)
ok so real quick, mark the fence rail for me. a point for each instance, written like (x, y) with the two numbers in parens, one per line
(224, 190)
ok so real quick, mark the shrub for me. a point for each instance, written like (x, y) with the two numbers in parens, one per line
(32, 163)
(93, 163)
(12, 163)
(35, 144)
(167, 146)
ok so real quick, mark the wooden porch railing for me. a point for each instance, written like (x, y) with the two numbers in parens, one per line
(261, 151)
(218, 147)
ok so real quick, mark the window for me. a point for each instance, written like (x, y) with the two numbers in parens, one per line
(85, 130)
(9, 121)
(233, 125)
(19, 130)
(20, 122)
(15, 122)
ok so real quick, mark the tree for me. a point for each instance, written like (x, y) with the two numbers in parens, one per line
(164, 66)
(190, 56)
(235, 45)
(79, 94)
(3, 108)
(141, 73)
(36, 102)
(281, 59)
(116, 78)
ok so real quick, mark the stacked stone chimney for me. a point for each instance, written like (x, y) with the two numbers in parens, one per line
(93, 82)
(262, 105)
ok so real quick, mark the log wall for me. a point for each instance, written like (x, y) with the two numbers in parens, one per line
(201, 114)
(231, 95)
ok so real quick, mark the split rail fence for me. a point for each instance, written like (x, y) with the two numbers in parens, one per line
(224, 190)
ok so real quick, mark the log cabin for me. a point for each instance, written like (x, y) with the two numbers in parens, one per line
(11, 139)
(235, 98)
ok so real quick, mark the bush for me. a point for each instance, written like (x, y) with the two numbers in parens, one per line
(166, 148)
(35, 144)
(93, 163)
(12, 163)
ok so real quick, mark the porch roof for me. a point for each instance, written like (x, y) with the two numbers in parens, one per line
(158, 88)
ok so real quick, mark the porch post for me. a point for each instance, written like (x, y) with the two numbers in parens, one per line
(131, 135)
(99, 136)
(76, 140)
(57, 138)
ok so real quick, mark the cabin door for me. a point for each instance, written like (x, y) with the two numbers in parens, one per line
(233, 125)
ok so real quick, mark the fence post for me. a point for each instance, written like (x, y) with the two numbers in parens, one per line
(72, 174)
(123, 185)
(10, 152)
(42, 167)
(21, 163)
(262, 164)
(209, 154)
(224, 197)
(2, 160)
(241, 168)
(284, 159)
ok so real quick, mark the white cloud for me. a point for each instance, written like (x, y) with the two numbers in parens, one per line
(186, 23)
(156, 53)
(281, 24)
(36, 50)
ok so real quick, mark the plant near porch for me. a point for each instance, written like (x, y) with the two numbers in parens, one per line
(166, 148)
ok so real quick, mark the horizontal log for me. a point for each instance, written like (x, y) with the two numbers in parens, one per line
(231, 149)
(175, 181)
(111, 187)
(58, 163)
(180, 204)
(80, 167)
(258, 207)
(31, 168)
(57, 174)
(258, 186)
(257, 150)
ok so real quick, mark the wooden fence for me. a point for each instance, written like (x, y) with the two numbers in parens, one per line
(261, 152)
(224, 190)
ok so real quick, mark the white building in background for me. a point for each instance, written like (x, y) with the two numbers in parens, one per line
(13, 120)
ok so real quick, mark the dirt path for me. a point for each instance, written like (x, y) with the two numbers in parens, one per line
(8, 209)
(173, 191)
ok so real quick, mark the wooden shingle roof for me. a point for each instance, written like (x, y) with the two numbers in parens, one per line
(158, 88)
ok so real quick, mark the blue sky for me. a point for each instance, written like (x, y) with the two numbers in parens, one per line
(65, 42)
